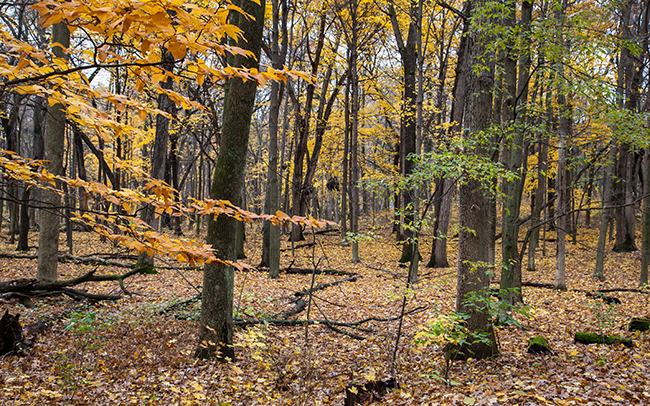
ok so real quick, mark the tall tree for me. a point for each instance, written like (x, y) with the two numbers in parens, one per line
(408, 128)
(48, 237)
(271, 233)
(473, 243)
(513, 116)
(215, 331)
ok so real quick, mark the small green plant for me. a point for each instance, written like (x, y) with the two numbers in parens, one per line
(359, 237)
(448, 332)
(603, 315)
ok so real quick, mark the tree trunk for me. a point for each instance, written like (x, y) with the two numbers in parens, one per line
(645, 244)
(562, 186)
(48, 238)
(160, 147)
(271, 233)
(606, 215)
(513, 112)
(215, 331)
(408, 128)
(473, 246)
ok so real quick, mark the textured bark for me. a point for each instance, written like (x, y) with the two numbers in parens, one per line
(215, 331)
(473, 246)
(48, 238)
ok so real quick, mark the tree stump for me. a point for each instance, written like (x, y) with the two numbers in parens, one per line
(11, 335)
(538, 345)
(590, 338)
(368, 392)
(639, 324)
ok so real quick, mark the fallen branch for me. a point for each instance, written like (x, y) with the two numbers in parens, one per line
(73, 258)
(304, 271)
(332, 325)
(306, 245)
(34, 287)
(322, 286)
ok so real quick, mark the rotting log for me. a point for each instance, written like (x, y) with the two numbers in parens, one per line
(591, 338)
(639, 324)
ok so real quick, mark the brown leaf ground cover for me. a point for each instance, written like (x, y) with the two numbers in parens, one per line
(129, 353)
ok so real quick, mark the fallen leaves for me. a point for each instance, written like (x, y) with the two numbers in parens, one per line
(131, 354)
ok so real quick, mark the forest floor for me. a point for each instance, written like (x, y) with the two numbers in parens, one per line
(128, 352)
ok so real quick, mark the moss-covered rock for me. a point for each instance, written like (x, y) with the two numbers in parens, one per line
(639, 324)
(538, 345)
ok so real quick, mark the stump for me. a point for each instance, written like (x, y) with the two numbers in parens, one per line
(368, 392)
(538, 345)
(11, 335)
(590, 338)
(639, 324)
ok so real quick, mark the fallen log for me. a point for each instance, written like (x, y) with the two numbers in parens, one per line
(591, 338)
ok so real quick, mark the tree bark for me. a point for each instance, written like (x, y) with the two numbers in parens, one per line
(215, 331)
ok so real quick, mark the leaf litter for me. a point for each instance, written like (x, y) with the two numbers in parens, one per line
(128, 352)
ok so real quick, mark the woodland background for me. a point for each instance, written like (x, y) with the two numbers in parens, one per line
(403, 176)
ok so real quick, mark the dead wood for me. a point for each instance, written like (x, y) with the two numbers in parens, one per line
(332, 325)
(322, 286)
(72, 258)
(33, 288)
